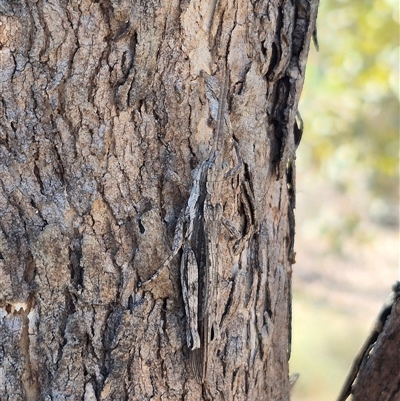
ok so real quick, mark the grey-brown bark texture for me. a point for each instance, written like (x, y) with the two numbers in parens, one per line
(375, 374)
(103, 105)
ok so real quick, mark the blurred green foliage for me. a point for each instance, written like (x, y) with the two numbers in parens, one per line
(350, 103)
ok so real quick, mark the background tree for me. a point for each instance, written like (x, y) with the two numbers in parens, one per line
(375, 372)
(107, 108)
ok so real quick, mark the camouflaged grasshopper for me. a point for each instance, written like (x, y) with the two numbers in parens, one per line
(197, 232)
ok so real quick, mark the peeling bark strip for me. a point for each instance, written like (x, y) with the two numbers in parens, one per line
(102, 103)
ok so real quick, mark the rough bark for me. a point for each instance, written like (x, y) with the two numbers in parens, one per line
(375, 374)
(101, 103)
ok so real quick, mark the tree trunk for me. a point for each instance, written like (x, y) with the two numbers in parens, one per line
(375, 374)
(108, 110)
